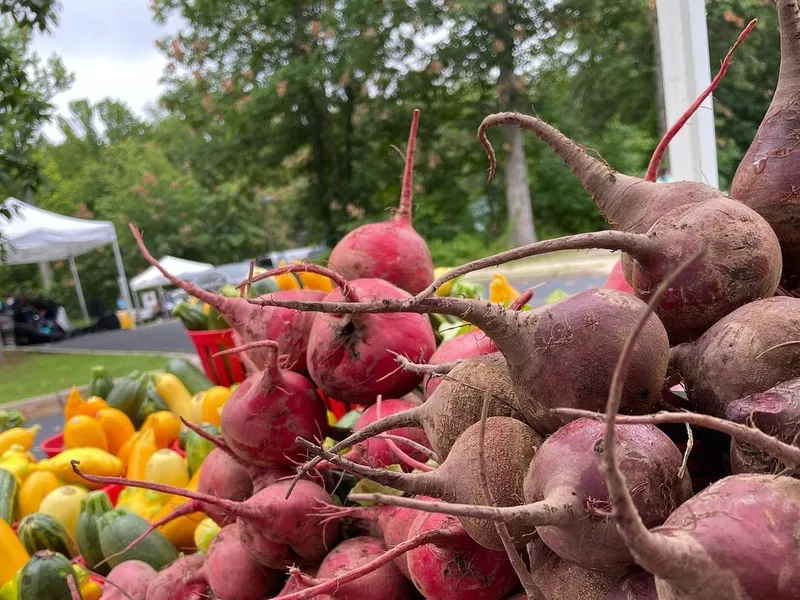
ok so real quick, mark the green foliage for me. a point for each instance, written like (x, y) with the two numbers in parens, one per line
(464, 247)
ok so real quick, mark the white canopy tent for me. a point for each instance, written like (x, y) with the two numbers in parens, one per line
(151, 278)
(35, 235)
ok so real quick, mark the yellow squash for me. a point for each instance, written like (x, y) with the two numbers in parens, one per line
(33, 491)
(84, 431)
(90, 589)
(64, 505)
(313, 281)
(181, 531)
(166, 427)
(213, 401)
(94, 404)
(141, 452)
(19, 462)
(286, 281)
(167, 467)
(117, 427)
(145, 503)
(174, 393)
(447, 286)
(75, 405)
(205, 533)
(12, 553)
(93, 461)
(23, 436)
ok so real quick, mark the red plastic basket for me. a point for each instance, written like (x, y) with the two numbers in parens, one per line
(53, 445)
(221, 370)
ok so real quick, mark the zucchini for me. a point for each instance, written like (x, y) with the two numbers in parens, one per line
(192, 317)
(118, 528)
(9, 494)
(197, 447)
(152, 403)
(10, 419)
(129, 394)
(100, 384)
(45, 577)
(39, 531)
(192, 377)
(93, 506)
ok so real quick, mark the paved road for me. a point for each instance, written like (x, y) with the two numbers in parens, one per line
(171, 337)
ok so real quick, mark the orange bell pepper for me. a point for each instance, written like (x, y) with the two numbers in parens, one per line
(141, 451)
(166, 427)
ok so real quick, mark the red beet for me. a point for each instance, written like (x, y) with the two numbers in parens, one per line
(466, 345)
(391, 250)
(232, 573)
(287, 327)
(617, 281)
(261, 423)
(222, 476)
(768, 178)
(673, 220)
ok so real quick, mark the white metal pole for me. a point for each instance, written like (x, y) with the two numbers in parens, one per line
(123, 280)
(686, 72)
(73, 267)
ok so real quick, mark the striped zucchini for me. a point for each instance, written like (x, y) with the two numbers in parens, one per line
(40, 531)
(9, 494)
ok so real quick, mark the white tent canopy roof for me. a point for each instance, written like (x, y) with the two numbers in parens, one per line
(35, 235)
(152, 277)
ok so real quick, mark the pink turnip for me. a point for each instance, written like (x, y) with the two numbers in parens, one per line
(392, 250)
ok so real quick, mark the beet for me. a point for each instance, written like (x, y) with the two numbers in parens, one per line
(260, 424)
(747, 352)
(467, 345)
(510, 446)
(768, 177)
(392, 250)
(232, 573)
(222, 476)
(742, 263)
(637, 586)
(182, 580)
(288, 328)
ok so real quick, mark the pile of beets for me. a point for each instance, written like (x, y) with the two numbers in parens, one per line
(549, 456)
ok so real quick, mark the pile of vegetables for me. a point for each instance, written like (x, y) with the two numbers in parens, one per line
(523, 456)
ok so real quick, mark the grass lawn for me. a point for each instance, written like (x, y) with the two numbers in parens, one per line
(27, 374)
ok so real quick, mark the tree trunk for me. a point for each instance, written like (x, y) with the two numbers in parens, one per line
(518, 194)
(661, 109)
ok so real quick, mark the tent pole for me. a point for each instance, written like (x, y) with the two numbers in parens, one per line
(123, 280)
(73, 267)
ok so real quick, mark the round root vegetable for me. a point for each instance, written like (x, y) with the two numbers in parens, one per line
(128, 581)
(224, 477)
(288, 328)
(510, 446)
(743, 260)
(768, 178)
(382, 452)
(637, 586)
(384, 583)
(231, 572)
(616, 279)
(566, 496)
(776, 412)
(182, 580)
(572, 341)
(467, 345)
(735, 539)
(752, 349)
(458, 569)
(275, 529)
(260, 424)
(392, 250)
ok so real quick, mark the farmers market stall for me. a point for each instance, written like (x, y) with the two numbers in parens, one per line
(152, 279)
(35, 235)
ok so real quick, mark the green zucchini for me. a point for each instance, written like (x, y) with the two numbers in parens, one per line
(9, 495)
(153, 402)
(129, 394)
(10, 419)
(93, 506)
(192, 316)
(194, 379)
(197, 447)
(45, 577)
(39, 531)
(118, 528)
(101, 383)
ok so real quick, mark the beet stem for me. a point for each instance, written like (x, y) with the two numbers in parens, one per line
(216, 440)
(522, 300)
(411, 443)
(788, 454)
(331, 585)
(789, 23)
(73, 587)
(689, 446)
(649, 550)
(636, 244)
(532, 591)
(297, 268)
(438, 369)
(661, 149)
(404, 214)
(399, 452)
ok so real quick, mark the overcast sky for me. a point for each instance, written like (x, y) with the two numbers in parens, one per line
(110, 47)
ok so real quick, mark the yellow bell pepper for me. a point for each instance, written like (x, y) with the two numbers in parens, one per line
(213, 401)
(90, 589)
(23, 436)
(19, 462)
(446, 287)
(286, 281)
(33, 491)
(166, 427)
(500, 291)
(168, 467)
(93, 461)
(313, 281)
(174, 393)
(12, 553)
(75, 405)
(141, 451)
